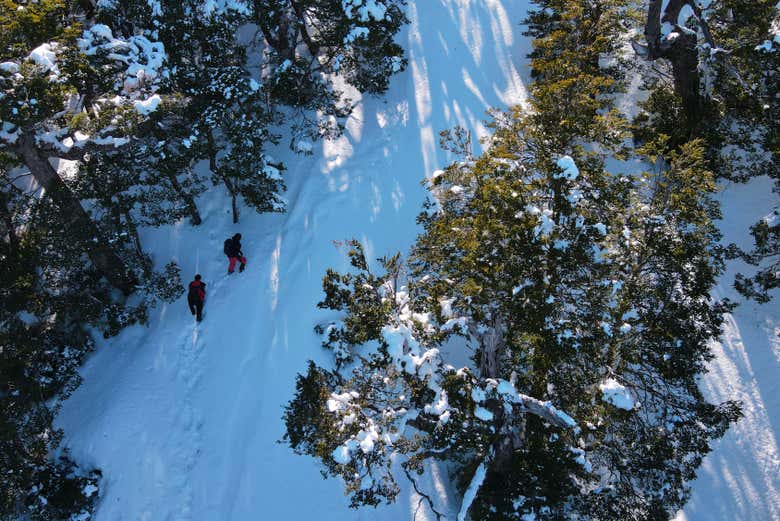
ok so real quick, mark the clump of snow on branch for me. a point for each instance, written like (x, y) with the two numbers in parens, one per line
(45, 57)
(568, 168)
(617, 394)
(147, 106)
(144, 59)
(365, 10)
(221, 7)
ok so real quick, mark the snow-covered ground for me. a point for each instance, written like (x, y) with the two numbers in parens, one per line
(740, 479)
(183, 419)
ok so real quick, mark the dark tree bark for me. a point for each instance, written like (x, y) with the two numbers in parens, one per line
(681, 51)
(233, 197)
(313, 47)
(213, 167)
(8, 221)
(187, 198)
(103, 257)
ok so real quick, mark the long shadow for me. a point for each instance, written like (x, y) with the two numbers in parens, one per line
(741, 478)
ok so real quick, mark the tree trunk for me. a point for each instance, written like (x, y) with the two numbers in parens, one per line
(103, 257)
(491, 344)
(682, 53)
(314, 49)
(233, 200)
(186, 197)
(13, 239)
(213, 168)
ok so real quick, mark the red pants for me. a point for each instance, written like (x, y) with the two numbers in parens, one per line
(233, 260)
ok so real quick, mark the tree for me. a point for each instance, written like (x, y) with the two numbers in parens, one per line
(41, 346)
(587, 291)
(724, 67)
(52, 73)
(235, 90)
(575, 289)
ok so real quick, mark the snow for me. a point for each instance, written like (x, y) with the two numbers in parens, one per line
(89, 489)
(546, 224)
(685, 13)
(304, 146)
(365, 10)
(147, 106)
(446, 307)
(740, 479)
(355, 34)
(471, 491)
(183, 419)
(483, 414)
(9, 67)
(568, 167)
(617, 394)
(9, 132)
(44, 55)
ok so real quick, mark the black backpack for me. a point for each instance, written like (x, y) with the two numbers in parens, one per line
(228, 244)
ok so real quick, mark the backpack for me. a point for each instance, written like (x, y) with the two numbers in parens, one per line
(196, 291)
(228, 244)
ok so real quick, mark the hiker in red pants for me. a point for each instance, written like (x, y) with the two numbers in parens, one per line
(233, 251)
(196, 296)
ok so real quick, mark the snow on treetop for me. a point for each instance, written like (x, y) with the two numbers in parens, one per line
(366, 9)
(546, 223)
(9, 67)
(45, 57)
(617, 394)
(147, 106)
(339, 402)
(355, 34)
(9, 132)
(220, 7)
(570, 170)
(483, 414)
(144, 58)
(446, 307)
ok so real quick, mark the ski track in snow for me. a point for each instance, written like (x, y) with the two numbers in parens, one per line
(183, 419)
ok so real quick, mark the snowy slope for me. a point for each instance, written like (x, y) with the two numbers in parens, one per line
(184, 420)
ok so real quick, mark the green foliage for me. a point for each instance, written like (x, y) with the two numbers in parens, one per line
(24, 25)
(359, 296)
(571, 88)
(563, 280)
(62, 248)
(738, 118)
(42, 344)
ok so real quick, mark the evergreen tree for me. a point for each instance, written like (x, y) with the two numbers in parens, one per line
(589, 292)
(66, 95)
(586, 290)
(724, 64)
(235, 89)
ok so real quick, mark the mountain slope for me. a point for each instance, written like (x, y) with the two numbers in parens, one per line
(184, 419)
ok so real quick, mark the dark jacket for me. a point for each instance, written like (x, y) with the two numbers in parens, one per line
(232, 247)
(197, 292)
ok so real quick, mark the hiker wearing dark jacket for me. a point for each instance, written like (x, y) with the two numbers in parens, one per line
(233, 251)
(196, 296)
